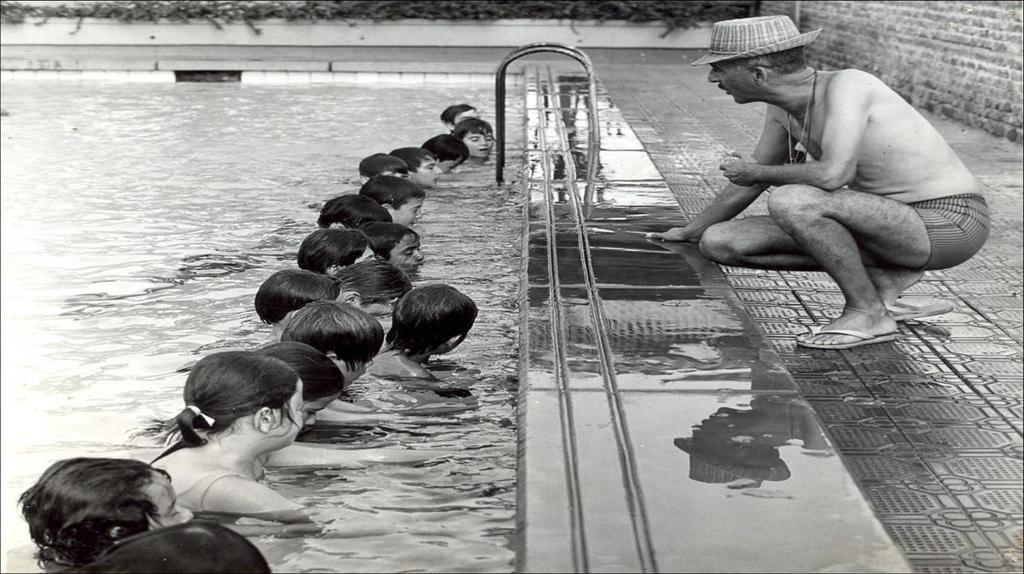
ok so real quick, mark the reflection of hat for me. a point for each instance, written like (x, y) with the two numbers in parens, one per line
(725, 461)
(748, 37)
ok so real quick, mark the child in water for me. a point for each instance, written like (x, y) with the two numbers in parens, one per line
(423, 169)
(448, 151)
(478, 137)
(452, 115)
(80, 507)
(429, 320)
(239, 407)
(381, 164)
(402, 198)
(396, 244)
(350, 211)
(328, 250)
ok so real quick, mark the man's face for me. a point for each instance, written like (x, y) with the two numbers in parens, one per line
(408, 214)
(479, 144)
(732, 78)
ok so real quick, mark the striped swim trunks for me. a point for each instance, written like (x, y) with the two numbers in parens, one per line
(957, 226)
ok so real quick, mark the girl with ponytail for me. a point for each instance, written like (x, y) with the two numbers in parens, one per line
(239, 408)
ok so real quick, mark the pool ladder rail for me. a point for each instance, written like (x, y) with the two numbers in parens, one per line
(594, 134)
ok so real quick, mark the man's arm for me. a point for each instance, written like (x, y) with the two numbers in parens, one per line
(846, 118)
(733, 199)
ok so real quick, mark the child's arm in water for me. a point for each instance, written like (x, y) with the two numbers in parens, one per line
(324, 455)
(245, 497)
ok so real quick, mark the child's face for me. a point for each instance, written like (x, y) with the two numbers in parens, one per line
(407, 255)
(479, 145)
(408, 214)
(161, 494)
(426, 175)
(311, 408)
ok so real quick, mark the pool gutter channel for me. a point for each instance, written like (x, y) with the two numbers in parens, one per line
(587, 536)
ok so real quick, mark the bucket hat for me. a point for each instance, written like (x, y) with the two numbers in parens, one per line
(748, 37)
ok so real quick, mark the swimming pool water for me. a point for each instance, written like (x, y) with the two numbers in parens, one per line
(138, 222)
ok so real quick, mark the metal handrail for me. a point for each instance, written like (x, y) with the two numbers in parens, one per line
(593, 137)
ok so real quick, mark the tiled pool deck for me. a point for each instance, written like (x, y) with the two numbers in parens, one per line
(657, 344)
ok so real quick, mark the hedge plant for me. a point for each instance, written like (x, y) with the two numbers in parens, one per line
(673, 14)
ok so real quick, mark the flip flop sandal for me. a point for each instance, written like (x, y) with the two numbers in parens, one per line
(862, 339)
(929, 310)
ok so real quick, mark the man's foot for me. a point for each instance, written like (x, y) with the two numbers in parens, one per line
(891, 283)
(674, 234)
(853, 329)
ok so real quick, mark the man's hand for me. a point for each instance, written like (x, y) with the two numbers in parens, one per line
(738, 169)
(675, 234)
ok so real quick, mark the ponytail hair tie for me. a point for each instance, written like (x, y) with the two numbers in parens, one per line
(199, 413)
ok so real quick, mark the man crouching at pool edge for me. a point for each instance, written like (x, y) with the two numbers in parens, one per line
(880, 198)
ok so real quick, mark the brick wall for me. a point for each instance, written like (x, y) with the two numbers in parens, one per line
(960, 59)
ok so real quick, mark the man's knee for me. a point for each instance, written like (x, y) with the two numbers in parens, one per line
(794, 201)
(717, 244)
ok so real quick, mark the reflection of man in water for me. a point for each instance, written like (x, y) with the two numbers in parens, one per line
(741, 447)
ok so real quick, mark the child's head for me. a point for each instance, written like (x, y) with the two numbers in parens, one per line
(477, 135)
(322, 380)
(454, 114)
(431, 320)
(402, 198)
(289, 290)
(350, 334)
(423, 168)
(382, 164)
(328, 250)
(80, 507)
(350, 211)
(395, 243)
(193, 547)
(236, 389)
(448, 150)
(373, 285)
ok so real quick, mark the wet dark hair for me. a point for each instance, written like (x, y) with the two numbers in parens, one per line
(472, 126)
(351, 210)
(383, 237)
(290, 289)
(391, 190)
(412, 156)
(230, 385)
(327, 247)
(321, 378)
(351, 334)
(375, 281)
(451, 112)
(197, 546)
(447, 147)
(784, 62)
(379, 163)
(428, 316)
(79, 507)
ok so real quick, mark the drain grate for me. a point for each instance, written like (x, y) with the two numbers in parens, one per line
(1009, 501)
(934, 412)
